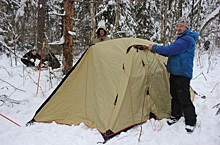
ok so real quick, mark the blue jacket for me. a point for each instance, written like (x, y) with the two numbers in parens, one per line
(180, 54)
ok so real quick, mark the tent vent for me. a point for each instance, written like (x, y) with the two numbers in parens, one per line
(165, 64)
(148, 93)
(116, 99)
(143, 63)
(128, 49)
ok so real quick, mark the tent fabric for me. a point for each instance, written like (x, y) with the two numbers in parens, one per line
(111, 88)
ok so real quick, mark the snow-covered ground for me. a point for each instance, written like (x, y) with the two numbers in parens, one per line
(18, 86)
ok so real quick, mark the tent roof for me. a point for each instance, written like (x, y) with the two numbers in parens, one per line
(110, 88)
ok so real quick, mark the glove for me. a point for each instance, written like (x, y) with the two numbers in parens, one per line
(32, 60)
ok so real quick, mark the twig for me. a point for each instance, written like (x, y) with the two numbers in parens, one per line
(36, 84)
(12, 86)
(199, 75)
(5, 99)
(214, 87)
(6, 70)
(217, 106)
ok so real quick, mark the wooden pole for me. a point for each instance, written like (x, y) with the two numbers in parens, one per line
(42, 55)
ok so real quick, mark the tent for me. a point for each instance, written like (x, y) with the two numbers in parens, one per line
(112, 88)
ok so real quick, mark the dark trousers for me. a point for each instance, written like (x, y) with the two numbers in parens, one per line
(27, 62)
(181, 102)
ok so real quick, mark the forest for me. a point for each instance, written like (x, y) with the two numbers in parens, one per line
(68, 26)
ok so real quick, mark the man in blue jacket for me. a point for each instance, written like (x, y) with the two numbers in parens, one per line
(180, 66)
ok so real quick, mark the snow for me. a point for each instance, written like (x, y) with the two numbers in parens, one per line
(61, 41)
(101, 23)
(212, 15)
(19, 83)
(72, 33)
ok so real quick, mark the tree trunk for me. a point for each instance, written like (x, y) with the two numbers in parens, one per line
(92, 19)
(192, 14)
(163, 21)
(164, 40)
(180, 8)
(68, 38)
(117, 16)
(198, 15)
(170, 4)
(40, 23)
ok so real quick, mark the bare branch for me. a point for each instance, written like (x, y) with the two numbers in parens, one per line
(214, 87)
(12, 86)
(6, 70)
(36, 84)
(199, 75)
(217, 106)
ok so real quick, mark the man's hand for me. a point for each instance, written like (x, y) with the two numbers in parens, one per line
(150, 47)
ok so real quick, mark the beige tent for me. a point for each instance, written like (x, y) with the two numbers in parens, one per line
(112, 88)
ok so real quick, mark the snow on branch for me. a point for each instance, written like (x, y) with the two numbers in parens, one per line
(61, 41)
(72, 33)
(56, 13)
(209, 18)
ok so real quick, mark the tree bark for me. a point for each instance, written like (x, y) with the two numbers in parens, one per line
(180, 8)
(192, 14)
(198, 15)
(117, 15)
(41, 23)
(68, 38)
(163, 21)
(92, 19)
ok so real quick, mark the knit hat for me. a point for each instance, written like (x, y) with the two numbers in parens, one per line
(184, 21)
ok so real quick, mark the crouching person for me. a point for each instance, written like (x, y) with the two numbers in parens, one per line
(29, 58)
(51, 60)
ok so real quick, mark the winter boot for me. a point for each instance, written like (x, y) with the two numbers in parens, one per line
(190, 128)
(173, 119)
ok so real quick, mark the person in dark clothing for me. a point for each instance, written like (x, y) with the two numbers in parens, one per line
(206, 45)
(30, 57)
(180, 66)
(51, 60)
